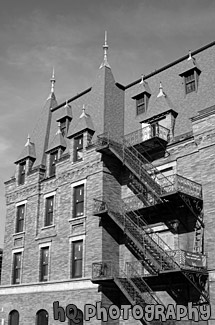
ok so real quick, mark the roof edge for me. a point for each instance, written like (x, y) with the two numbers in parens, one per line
(171, 64)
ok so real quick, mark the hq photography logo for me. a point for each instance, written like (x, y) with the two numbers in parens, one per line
(148, 313)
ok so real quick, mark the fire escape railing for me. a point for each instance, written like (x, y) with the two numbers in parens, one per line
(146, 133)
(143, 236)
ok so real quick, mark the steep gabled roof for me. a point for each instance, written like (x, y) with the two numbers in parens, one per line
(65, 111)
(84, 123)
(28, 151)
(58, 141)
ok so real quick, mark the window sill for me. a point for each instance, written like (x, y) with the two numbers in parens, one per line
(21, 233)
(48, 227)
(78, 219)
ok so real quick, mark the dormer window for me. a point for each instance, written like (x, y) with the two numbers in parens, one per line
(53, 160)
(141, 103)
(22, 168)
(190, 81)
(78, 148)
(63, 127)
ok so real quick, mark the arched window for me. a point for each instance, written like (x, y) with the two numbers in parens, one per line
(42, 317)
(13, 318)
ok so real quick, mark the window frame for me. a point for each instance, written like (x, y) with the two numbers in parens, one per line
(22, 173)
(16, 267)
(78, 149)
(20, 218)
(77, 201)
(73, 269)
(141, 103)
(42, 276)
(10, 320)
(52, 162)
(194, 81)
(47, 196)
(49, 211)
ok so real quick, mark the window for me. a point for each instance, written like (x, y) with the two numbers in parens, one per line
(190, 82)
(63, 127)
(77, 257)
(22, 167)
(13, 318)
(53, 159)
(79, 201)
(78, 148)
(49, 211)
(141, 103)
(20, 218)
(42, 317)
(16, 268)
(44, 262)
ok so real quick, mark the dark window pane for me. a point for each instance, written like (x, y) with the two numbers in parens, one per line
(79, 201)
(63, 128)
(16, 268)
(49, 211)
(190, 83)
(42, 317)
(20, 218)
(140, 104)
(44, 264)
(13, 318)
(77, 256)
(78, 148)
(53, 160)
(22, 173)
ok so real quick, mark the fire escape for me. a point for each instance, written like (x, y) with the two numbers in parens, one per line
(155, 197)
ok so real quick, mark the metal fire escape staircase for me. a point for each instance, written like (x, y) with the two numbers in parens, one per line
(132, 285)
(156, 255)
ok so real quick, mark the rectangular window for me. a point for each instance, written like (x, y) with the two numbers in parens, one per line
(49, 211)
(53, 160)
(141, 103)
(78, 201)
(16, 268)
(78, 148)
(44, 262)
(20, 218)
(190, 82)
(22, 167)
(63, 127)
(77, 258)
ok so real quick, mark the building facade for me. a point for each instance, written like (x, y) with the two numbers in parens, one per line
(113, 200)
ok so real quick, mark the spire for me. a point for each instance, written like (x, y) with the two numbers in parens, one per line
(142, 81)
(161, 92)
(52, 81)
(105, 49)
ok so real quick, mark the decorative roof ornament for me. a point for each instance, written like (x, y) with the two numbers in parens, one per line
(142, 81)
(28, 141)
(105, 49)
(52, 81)
(190, 56)
(161, 92)
(83, 112)
(58, 130)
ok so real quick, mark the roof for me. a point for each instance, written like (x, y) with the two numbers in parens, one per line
(65, 111)
(84, 123)
(57, 142)
(28, 151)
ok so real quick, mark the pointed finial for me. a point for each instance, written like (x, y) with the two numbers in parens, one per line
(83, 112)
(190, 56)
(161, 93)
(142, 81)
(105, 49)
(28, 141)
(52, 81)
(58, 130)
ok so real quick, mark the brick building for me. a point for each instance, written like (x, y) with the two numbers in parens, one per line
(113, 197)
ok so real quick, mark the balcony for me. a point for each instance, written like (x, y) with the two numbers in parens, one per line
(150, 138)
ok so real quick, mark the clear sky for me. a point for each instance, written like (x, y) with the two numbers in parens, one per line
(143, 35)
